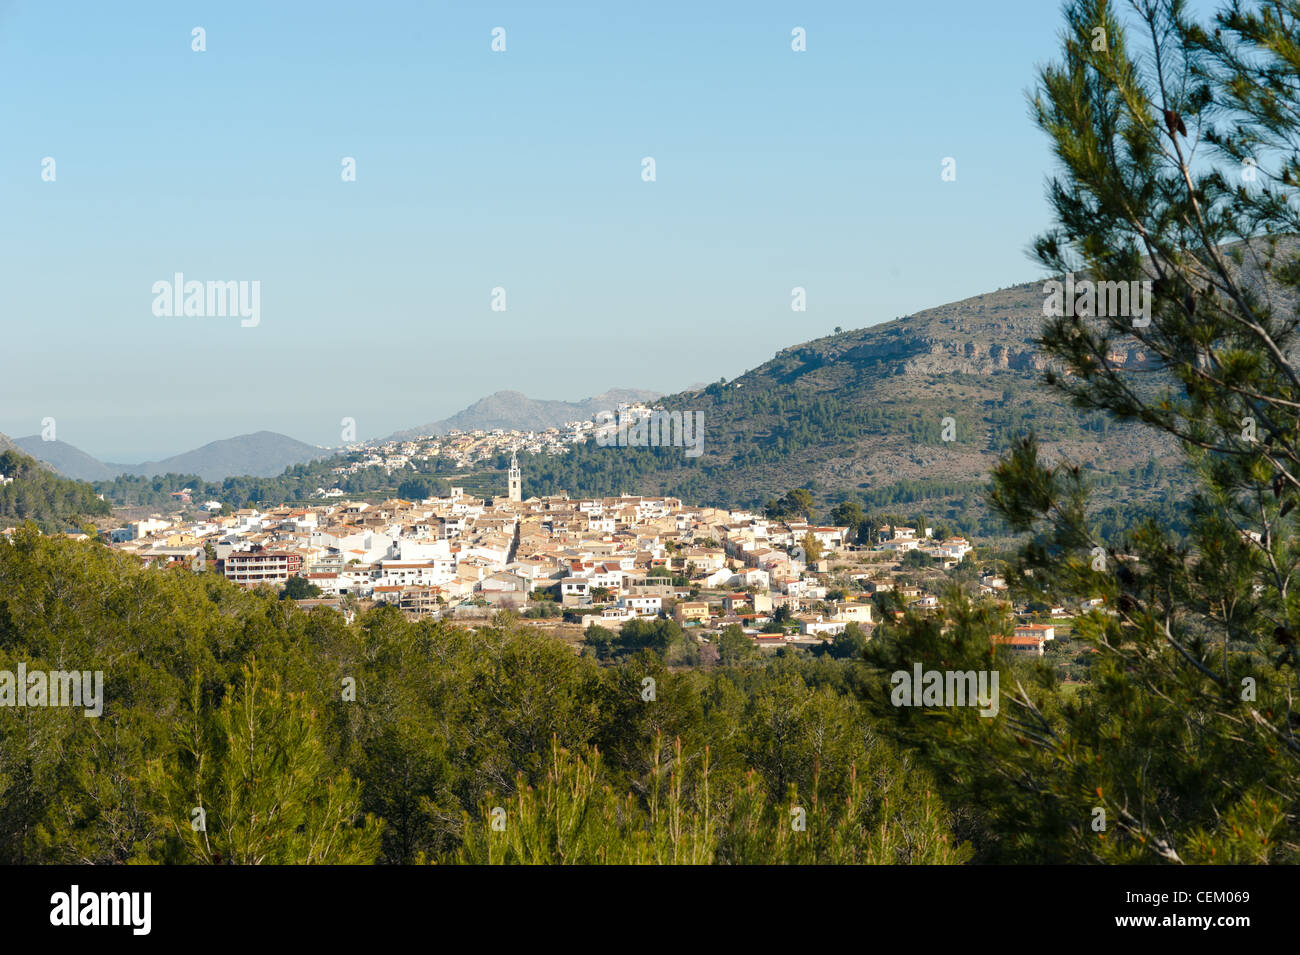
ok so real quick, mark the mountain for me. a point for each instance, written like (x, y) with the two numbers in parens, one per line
(860, 415)
(261, 454)
(514, 411)
(68, 459)
(7, 444)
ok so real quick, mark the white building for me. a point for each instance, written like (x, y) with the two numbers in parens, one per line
(642, 606)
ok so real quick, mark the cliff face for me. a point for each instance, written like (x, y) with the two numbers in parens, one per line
(885, 392)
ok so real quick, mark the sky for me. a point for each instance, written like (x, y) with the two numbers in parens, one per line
(476, 170)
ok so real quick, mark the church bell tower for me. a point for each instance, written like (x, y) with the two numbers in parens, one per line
(516, 484)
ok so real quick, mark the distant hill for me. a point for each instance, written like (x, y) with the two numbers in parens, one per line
(261, 454)
(512, 410)
(68, 459)
(7, 444)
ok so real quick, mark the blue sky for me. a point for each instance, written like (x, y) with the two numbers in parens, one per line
(475, 170)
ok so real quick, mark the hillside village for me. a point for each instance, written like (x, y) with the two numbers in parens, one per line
(466, 448)
(568, 564)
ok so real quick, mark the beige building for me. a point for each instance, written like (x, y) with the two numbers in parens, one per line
(691, 612)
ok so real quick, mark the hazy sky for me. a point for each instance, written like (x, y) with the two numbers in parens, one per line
(477, 169)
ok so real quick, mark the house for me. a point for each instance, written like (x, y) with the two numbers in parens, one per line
(852, 613)
(356, 579)
(387, 595)
(816, 626)
(885, 533)
(715, 579)
(575, 590)
(758, 579)
(954, 547)
(139, 529)
(611, 618)
(691, 612)
(901, 545)
(1039, 631)
(504, 589)
(505, 582)
(397, 573)
(734, 603)
(832, 538)
(538, 573)
(641, 606)
(328, 582)
(649, 586)
(703, 559)
(1030, 646)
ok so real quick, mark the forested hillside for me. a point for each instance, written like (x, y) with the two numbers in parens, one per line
(34, 493)
(860, 415)
(297, 483)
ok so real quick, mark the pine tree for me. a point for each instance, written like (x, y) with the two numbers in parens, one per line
(250, 785)
(1178, 146)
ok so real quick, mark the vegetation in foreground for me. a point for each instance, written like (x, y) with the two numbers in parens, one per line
(240, 728)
